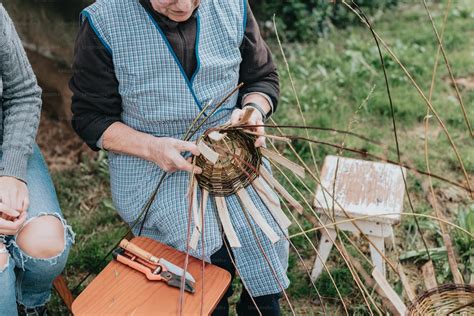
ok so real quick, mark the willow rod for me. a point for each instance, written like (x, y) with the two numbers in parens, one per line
(350, 220)
(448, 66)
(367, 154)
(294, 90)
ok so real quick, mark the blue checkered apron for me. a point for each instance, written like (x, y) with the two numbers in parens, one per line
(158, 99)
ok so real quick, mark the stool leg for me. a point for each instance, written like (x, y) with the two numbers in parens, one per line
(325, 246)
(377, 258)
(61, 287)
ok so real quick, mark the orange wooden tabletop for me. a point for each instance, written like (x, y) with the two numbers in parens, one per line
(120, 290)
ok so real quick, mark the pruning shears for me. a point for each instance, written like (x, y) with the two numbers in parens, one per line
(155, 269)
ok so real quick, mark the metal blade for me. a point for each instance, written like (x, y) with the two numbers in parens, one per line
(176, 270)
(175, 281)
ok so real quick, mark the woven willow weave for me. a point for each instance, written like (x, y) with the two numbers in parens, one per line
(238, 164)
(449, 299)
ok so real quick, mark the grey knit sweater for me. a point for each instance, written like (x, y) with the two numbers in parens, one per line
(20, 102)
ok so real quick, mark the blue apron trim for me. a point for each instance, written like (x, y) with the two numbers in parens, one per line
(198, 33)
(170, 49)
(101, 39)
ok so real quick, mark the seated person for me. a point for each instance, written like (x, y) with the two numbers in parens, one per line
(34, 238)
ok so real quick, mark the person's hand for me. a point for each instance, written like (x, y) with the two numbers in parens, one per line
(11, 221)
(166, 153)
(254, 119)
(13, 195)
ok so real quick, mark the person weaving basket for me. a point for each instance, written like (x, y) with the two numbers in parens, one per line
(143, 71)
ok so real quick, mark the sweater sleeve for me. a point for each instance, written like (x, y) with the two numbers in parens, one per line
(257, 69)
(21, 101)
(96, 101)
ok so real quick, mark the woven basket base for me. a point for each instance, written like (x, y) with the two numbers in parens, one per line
(449, 299)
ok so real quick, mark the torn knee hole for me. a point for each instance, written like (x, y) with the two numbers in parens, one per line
(42, 237)
(4, 258)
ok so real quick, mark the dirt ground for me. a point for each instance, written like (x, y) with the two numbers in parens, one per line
(60, 145)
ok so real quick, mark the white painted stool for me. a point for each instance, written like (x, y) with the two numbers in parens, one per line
(363, 188)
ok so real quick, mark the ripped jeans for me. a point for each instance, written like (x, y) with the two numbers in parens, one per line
(26, 280)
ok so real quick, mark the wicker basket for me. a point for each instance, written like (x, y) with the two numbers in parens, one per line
(449, 299)
(237, 167)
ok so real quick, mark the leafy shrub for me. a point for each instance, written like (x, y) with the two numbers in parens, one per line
(303, 20)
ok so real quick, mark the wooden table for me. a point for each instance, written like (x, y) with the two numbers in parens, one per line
(371, 191)
(120, 290)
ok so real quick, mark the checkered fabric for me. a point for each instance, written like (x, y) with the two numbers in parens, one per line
(158, 99)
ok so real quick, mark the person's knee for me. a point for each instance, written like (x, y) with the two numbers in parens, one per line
(42, 237)
(4, 258)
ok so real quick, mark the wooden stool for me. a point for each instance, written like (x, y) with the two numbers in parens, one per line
(120, 290)
(63, 291)
(363, 188)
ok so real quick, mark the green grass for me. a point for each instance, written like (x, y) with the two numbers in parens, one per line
(84, 195)
(332, 79)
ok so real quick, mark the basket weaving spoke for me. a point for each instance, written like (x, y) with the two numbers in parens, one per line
(272, 202)
(226, 222)
(198, 228)
(257, 217)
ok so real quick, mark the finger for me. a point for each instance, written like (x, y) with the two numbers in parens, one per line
(171, 169)
(189, 146)
(12, 227)
(252, 121)
(19, 222)
(260, 130)
(196, 170)
(22, 218)
(236, 116)
(169, 165)
(25, 203)
(190, 168)
(5, 227)
(184, 165)
(18, 201)
(8, 210)
(6, 200)
(260, 141)
(6, 217)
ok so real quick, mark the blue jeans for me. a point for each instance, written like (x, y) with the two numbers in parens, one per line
(26, 280)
